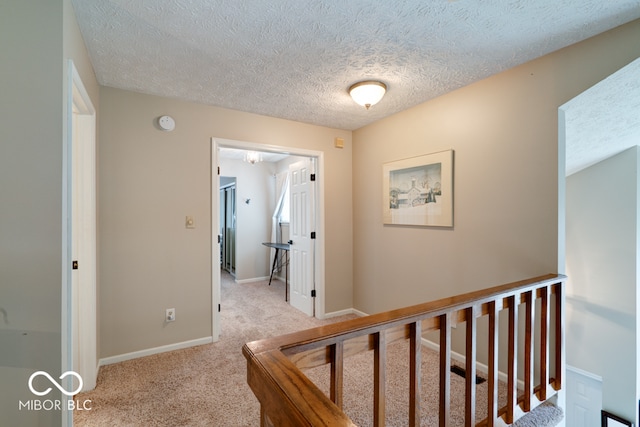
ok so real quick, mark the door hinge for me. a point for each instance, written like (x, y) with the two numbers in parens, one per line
(313, 234)
(74, 265)
(218, 170)
(313, 293)
(219, 308)
(312, 177)
(219, 239)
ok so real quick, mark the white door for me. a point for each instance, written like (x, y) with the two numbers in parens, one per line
(584, 398)
(302, 222)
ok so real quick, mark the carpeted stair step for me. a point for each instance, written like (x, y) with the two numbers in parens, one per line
(545, 415)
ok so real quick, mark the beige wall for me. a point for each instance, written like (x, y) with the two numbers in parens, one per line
(150, 180)
(504, 132)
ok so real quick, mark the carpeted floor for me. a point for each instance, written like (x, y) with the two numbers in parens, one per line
(206, 385)
(198, 386)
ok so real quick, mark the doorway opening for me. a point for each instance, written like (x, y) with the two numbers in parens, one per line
(245, 200)
(228, 224)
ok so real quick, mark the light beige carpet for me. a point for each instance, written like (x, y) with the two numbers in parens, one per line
(198, 386)
(206, 385)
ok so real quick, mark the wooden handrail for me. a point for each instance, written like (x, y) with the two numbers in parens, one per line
(288, 398)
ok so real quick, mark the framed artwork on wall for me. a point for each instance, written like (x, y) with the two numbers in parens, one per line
(419, 190)
(610, 420)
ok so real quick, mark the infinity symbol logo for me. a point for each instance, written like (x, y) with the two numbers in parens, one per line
(66, 374)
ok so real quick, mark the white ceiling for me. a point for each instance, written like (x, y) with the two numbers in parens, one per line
(295, 59)
(238, 154)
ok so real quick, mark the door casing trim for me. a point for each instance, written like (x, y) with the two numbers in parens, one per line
(319, 255)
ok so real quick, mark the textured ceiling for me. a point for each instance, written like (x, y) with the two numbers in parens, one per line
(295, 59)
(604, 120)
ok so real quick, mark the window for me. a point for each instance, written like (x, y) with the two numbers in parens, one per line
(284, 213)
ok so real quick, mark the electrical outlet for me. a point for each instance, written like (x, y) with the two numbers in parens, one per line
(171, 315)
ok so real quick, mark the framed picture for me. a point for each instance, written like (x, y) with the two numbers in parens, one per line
(419, 190)
(610, 420)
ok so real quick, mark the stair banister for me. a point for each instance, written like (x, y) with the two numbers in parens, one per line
(288, 398)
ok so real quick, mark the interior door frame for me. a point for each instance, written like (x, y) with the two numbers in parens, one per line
(319, 255)
(79, 318)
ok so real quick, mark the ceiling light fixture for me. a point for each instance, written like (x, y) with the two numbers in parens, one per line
(252, 157)
(367, 93)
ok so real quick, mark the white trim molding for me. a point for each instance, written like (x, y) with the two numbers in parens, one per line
(156, 350)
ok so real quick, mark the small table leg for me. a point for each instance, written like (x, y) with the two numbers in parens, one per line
(273, 267)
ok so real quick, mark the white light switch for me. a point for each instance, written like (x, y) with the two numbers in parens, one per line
(189, 222)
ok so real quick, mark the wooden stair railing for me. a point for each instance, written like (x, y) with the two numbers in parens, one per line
(288, 398)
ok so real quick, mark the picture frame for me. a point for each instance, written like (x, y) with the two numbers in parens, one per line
(418, 191)
(611, 420)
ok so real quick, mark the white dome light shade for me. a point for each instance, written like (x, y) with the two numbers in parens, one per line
(367, 93)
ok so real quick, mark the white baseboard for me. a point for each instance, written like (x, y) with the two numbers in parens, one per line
(359, 313)
(584, 374)
(156, 350)
(344, 312)
(252, 280)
